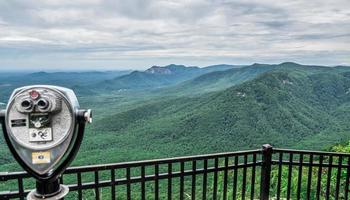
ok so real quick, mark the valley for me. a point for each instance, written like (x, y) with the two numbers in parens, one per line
(177, 110)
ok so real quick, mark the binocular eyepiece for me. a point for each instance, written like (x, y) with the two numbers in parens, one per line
(41, 104)
(27, 104)
(43, 101)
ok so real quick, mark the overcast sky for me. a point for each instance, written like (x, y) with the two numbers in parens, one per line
(121, 34)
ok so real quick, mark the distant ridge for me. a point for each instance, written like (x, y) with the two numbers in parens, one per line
(210, 78)
(75, 80)
(158, 77)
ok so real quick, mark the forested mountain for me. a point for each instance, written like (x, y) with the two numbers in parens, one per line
(219, 80)
(301, 106)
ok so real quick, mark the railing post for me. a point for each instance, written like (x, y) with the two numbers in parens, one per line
(265, 171)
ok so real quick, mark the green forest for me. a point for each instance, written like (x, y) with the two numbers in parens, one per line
(177, 110)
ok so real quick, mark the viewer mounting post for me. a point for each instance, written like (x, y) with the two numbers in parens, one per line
(267, 151)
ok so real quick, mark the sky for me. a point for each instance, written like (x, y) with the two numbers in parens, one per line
(136, 34)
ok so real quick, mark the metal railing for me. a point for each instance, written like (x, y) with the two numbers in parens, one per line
(266, 173)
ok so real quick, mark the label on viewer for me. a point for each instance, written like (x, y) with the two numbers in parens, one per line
(41, 157)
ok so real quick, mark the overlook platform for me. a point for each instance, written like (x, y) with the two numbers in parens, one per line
(267, 173)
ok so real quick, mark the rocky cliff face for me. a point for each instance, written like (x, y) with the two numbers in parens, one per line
(158, 70)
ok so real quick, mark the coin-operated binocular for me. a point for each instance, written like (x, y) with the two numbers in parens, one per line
(43, 127)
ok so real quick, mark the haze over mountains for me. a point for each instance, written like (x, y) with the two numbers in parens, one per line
(179, 110)
(156, 77)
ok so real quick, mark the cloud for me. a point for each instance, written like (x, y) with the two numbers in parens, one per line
(139, 33)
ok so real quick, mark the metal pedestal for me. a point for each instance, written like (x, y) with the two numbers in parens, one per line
(63, 191)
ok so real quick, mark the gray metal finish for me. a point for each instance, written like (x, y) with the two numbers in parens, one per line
(41, 133)
(64, 190)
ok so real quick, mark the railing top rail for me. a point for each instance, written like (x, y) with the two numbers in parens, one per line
(89, 168)
(324, 153)
(158, 161)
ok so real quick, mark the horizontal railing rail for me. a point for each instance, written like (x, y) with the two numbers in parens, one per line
(256, 174)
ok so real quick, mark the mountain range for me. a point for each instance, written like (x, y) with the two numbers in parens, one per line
(288, 106)
(178, 110)
(157, 77)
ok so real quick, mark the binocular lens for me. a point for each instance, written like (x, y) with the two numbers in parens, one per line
(43, 104)
(27, 104)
